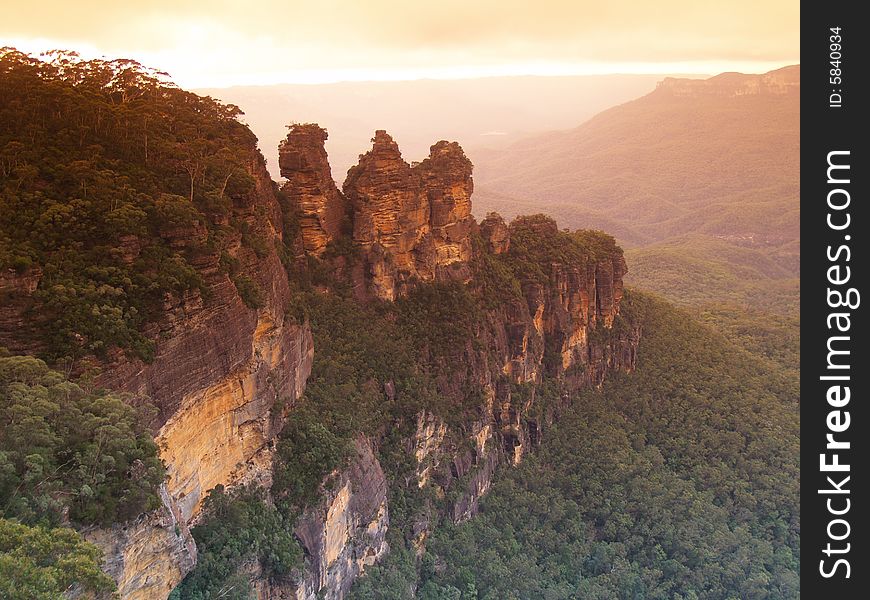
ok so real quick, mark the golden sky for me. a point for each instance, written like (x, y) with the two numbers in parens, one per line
(221, 42)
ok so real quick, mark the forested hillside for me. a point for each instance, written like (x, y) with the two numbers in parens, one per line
(361, 393)
(680, 480)
(68, 456)
(102, 164)
(105, 167)
(718, 156)
(699, 180)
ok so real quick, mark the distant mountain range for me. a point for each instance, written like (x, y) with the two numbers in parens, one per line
(718, 156)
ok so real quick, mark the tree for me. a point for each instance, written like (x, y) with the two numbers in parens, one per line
(37, 563)
(67, 451)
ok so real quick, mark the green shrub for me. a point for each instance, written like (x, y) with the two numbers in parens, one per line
(238, 527)
(249, 291)
(37, 563)
(68, 452)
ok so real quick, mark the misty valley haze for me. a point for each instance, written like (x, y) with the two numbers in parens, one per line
(477, 113)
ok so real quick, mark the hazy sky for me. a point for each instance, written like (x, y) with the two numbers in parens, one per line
(222, 42)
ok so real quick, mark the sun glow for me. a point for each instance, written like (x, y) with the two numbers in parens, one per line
(218, 44)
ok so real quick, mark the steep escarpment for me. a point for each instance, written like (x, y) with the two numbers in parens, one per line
(225, 373)
(346, 532)
(487, 330)
(147, 256)
(782, 81)
(154, 256)
(149, 555)
(717, 157)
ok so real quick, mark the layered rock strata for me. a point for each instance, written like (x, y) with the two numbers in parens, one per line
(222, 379)
(322, 209)
(412, 223)
(149, 555)
(346, 532)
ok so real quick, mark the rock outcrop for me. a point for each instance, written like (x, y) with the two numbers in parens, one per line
(16, 298)
(412, 224)
(346, 532)
(223, 377)
(310, 188)
(149, 555)
(496, 233)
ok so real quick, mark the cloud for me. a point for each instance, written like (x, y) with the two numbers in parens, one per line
(233, 41)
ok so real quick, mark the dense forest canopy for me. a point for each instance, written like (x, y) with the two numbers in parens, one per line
(97, 158)
(68, 455)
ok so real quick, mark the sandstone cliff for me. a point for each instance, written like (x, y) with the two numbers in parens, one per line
(346, 532)
(148, 556)
(564, 329)
(411, 223)
(223, 376)
(322, 208)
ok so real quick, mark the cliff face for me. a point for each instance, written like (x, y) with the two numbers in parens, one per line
(225, 375)
(565, 329)
(346, 532)
(16, 298)
(222, 379)
(149, 555)
(412, 223)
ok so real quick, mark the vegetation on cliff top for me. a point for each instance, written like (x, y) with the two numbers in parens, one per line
(536, 243)
(102, 164)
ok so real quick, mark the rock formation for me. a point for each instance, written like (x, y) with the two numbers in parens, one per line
(346, 532)
(310, 187)
(225, 375)
(411, 223)
(220, 372)
(496, 233)
(16, 298)
(149, 555)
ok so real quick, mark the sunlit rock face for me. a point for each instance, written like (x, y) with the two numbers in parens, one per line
(346, 532)
(148, 556)
(322, 209)
(221, 433)
(412, 223)
(223, 377)
(495, 232)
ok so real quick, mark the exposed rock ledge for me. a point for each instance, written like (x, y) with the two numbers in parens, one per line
(148, 556)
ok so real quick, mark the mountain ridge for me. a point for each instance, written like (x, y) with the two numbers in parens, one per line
(665, 163)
